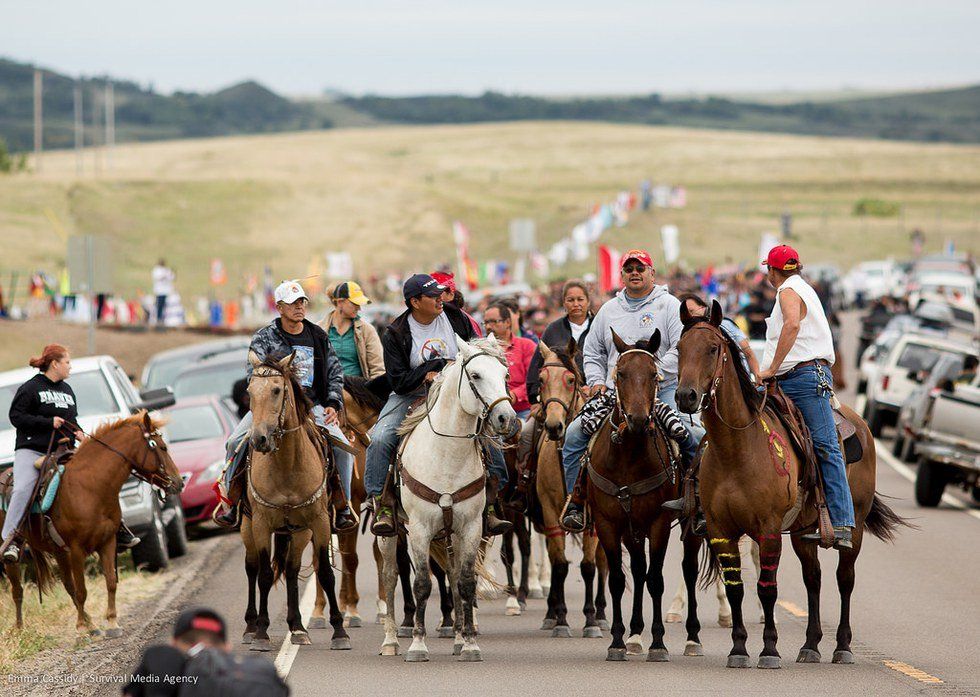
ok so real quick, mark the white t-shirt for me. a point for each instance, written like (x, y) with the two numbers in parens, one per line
(814, 339)
(163, 280)
(434, 340)
(578, 329)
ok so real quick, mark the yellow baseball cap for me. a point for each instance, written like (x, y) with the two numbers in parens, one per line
(351, 291)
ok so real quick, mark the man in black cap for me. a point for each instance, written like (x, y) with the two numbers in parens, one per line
(417, 345)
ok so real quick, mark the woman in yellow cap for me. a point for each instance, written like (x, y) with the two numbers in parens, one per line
(356, 342)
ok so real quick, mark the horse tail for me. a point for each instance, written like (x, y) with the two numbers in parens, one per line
(709, 570)
(43, 575)
(883, 522)
(280, 551)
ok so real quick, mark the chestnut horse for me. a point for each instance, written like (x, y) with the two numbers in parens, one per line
(630, 475)
(748, 487)
(561, 399)
(85, 513)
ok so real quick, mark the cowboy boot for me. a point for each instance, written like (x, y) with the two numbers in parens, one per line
(125, 539)
(842, 537)
(12, 553)
(344, 520)
(384, 510)
(228, 514)
(494, 525)
(573, 519)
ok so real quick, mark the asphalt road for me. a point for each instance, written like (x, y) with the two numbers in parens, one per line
(915, 617)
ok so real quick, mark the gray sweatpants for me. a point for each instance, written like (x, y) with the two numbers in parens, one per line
(25, 476)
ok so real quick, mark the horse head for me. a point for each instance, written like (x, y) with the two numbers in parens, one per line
(154, 462)
(271, 400)
(637, 380)
(483, 369)
(560, 379)
(699, 356)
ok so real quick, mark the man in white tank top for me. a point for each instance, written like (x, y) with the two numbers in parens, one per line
(799, 353)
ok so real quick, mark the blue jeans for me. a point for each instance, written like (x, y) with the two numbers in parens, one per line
(809, 388)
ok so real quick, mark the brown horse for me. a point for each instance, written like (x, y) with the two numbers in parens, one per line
(85, 513)
(631, 474)
(561, 399)
(749, 475)
(288, 497)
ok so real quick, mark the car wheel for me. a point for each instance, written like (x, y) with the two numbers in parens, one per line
(177, 532)
(908, 452)
(875, 419)
(151, 552)
(930, 482)
(975, 492)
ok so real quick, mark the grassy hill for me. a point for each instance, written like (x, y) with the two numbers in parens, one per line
(389, 196)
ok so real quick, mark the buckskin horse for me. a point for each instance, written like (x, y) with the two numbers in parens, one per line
(630, 475)
(749, 486)
(561, 399)
(85, 513)
(288, 498)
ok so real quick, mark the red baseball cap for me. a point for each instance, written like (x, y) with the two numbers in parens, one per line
(782, 257)
(445, 279)
(639, 255)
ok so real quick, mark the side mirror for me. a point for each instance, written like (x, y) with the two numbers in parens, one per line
(159, 398)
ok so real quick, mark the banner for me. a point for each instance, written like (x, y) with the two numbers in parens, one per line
(609, 275)
(669, 237)
(218, 274)
(340, 266)
(466, 267)
(768, 241)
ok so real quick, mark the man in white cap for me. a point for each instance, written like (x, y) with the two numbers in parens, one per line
(319, 372)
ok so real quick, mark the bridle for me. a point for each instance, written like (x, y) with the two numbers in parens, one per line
(709, 398)
(155, 444)
(487, 406)
(618, 405)
(569, 406)
(276, 436)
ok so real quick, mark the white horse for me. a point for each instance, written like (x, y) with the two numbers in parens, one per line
(443, 481)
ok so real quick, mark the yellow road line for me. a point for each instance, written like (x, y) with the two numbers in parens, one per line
(912, 672)
(791, 608)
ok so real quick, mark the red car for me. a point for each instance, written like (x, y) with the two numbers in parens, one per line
(196, 432)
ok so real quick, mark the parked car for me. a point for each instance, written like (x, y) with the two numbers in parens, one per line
(913, 416)
(163, 367)
(196, 431)
(215, 375)
(104, 393)
(894, 375)
(872, 279)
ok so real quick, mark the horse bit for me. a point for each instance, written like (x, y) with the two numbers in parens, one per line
(487, 406)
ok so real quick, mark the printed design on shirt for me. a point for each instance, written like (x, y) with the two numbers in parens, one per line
(60, 400)
(434, 348)
(303, 365)
(646, 319)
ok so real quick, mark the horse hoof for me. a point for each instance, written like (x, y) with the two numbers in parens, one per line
(658, 656)
(416, 656)
(808, 656)
(592, 633)
(260, 645)
(113, 633)
(341, 643)
(95, 633)
(693, 648)
(317, 623)
(471, 656)
(843, 657)
(672, 617)
(299, 639)
(536, 594)
(355, 621)
(548, 623)
(724, 620)
(446, 632)
(247, 637)
(634, 647)
(545, 590)
(738, 661)
(389, 650)
(512, 612)
(603, 625)
(404, 633)
(561, 632)
(457, 649)
(616, 655)
(768, 662)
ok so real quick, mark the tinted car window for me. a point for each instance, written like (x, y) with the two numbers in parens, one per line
(192, 423)
(92, 393)
(217, 380)
(7, 393)
(918, 357)
(163, 372)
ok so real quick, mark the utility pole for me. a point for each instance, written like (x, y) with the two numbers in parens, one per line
(96, 153)
(110, 123)
(38, 119)
(79, 131)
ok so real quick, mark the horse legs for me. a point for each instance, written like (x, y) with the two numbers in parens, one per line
(752, 547)
(294, 560)
(730, 563)
(252, 575)
(12, 569)
(770, 548)
(467, 544)
(381, 609)
(524, 546)
(446, 595)
(405, 576)
(617, 586)
(689, 566)
(340, 640)
(659, 535)
(556, 597)
(807, 553)
(418, 542)
(638, 570)
(845, 585)
(386, 551)
(724, 609)
(591, 629)
(544, 563)
(83, 623)
(107, 558)
(260, 638)
(600, 589)
(507, 558)
(348, 580)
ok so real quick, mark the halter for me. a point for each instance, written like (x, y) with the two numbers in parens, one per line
(567, 406)
(154, 443)
(487, 406)
(276, 436)
(656, 391)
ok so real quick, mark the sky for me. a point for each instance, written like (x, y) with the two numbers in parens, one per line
(516, 46)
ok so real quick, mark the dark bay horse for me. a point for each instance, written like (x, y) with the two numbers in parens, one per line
(86, 513)
(749, 474)
(631, 474)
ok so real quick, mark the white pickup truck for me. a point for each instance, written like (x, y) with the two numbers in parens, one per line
(949, 445)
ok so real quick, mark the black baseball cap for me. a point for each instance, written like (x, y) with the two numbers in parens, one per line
(422, 284)
(201, 619)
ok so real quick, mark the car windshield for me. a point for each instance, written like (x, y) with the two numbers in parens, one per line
(192, 423)
(163, 372)
(214, 380)
(92, 394)
(916, 357)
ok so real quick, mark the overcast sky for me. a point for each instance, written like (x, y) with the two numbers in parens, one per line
(527, 46)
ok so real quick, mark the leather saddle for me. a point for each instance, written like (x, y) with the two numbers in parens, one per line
(792, 420)
(51, 468)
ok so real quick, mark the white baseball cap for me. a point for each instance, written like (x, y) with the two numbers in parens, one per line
(289, 292)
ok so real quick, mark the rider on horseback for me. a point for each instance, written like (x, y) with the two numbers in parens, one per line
(319, 371)
(417, 345)
(636, 311)
(799, 354)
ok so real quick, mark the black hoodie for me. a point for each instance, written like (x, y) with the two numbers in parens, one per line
(34, 407)
(397, 344)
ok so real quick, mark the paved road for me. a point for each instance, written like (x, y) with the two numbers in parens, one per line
(916, 622)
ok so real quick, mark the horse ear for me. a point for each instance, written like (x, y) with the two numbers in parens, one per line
(147, 421)
(572, 348)
(716, 315)
(653, 343)
(286, 362)
(253, 359)
(687, 319)
(546, 353)
(465, 350)
(619, 343)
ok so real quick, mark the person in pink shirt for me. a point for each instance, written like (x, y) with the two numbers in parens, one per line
(519, 352)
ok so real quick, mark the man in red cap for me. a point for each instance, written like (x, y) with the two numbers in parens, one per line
(799, 353)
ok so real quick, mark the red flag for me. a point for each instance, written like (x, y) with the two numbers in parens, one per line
(466, 265)
(609, 263)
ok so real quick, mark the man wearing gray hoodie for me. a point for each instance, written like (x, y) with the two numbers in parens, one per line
(635, 313)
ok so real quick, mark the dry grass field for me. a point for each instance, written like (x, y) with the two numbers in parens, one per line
(389, 195)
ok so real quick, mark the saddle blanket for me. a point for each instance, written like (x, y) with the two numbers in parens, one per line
(44, 500)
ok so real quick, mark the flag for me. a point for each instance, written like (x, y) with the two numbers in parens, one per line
(218, 274)
(609, 262)
(467, 268)
(669, 235)
(768, 241)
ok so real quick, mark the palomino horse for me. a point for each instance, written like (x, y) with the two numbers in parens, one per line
(287, 493)
(631, 474)
(748, 487)
(86, 514)
(443, 487)
(561, 399)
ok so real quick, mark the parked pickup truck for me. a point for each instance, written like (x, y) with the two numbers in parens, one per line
(949, 444)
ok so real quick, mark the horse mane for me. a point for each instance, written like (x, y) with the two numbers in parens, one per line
(136, 419)
(303, 404)
(568, 360)
(745, 384)
(357, 388)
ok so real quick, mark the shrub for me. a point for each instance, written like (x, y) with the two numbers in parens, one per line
(876, 207)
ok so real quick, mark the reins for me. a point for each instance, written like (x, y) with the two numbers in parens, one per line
(487, 406)
(276, 436)
(569, 407)
(136, 468)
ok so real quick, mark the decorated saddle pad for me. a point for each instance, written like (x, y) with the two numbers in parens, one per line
(46, 493)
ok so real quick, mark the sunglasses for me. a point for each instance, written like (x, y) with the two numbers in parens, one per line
(635, 268)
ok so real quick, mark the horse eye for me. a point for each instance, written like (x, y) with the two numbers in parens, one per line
(714, 350)
(475, 376)
(276, 391)
(152, 444)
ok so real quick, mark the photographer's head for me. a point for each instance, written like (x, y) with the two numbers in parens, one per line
(197, 626)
